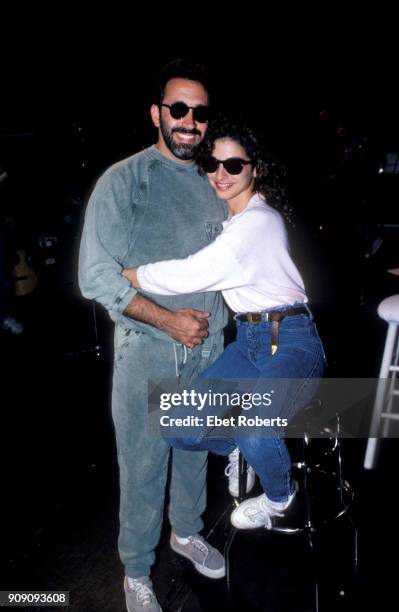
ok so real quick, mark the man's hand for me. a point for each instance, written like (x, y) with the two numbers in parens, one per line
(186, 325)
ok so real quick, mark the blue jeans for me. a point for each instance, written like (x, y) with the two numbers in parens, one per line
(300, 356)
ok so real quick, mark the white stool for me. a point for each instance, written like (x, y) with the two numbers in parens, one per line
(386, 392)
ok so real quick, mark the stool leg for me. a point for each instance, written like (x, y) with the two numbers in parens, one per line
(316, 597)
(341, 493)
(227, 546)
(373, 443)
(391, 392)
(372, 450)
(242, 488)
(309, 527)
(306, 473)
(242, 477)
(339, 462)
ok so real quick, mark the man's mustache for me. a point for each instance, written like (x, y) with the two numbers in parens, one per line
(186, 131)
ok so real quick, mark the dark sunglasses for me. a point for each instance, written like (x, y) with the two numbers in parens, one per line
(232, 165)
(178, 110)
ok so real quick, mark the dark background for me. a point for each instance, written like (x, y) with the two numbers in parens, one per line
(73, 102)
(321, 89)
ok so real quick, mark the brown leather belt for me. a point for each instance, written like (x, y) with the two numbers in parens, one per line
(274, 317)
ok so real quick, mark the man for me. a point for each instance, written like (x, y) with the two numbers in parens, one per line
(151, 206)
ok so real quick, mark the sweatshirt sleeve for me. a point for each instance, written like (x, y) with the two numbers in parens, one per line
(213, 268)
(104, 242)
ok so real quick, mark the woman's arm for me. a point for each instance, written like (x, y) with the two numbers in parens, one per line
(214, 267)
(218, 266)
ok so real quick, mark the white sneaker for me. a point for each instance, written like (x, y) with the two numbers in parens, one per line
(258, 512)
(11, 325)
(231, 472)
(140, 596)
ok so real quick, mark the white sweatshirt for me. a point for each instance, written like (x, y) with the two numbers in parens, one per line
(249, 262)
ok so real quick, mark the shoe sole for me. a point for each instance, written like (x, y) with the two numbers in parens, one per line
(205, 571)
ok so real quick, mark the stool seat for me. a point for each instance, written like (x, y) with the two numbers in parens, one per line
(388, 309)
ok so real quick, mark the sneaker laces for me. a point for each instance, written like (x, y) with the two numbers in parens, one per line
(265, 510)
(143, 592)
(232, 466)
(231, 469)
(200, 545)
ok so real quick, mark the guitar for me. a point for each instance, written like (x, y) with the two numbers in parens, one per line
(25, 279)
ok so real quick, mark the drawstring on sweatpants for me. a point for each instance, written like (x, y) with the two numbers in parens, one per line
(185, 353)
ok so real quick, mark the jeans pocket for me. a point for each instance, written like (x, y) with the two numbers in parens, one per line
(297, 324)
(321, 344)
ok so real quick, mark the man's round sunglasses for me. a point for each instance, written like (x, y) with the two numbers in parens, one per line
(232, 165)
(178, 110)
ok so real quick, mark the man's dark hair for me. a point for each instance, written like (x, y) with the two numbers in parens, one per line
(181, 69)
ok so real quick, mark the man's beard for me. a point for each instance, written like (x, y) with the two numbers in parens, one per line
(183, 150)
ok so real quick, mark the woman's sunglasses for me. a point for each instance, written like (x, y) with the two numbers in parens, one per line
(232, 165)
(178, 110)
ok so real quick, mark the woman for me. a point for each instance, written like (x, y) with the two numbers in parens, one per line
(276, 338)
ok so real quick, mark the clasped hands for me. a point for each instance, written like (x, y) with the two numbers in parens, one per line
(185, 325)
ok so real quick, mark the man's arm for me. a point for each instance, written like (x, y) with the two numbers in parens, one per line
(105, 242)
(185, 325)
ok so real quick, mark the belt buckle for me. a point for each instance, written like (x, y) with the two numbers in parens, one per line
(254, 317)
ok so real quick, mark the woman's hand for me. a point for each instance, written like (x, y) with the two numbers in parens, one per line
(131, 275)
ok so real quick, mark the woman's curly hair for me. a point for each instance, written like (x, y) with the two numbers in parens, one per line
(269, 172)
